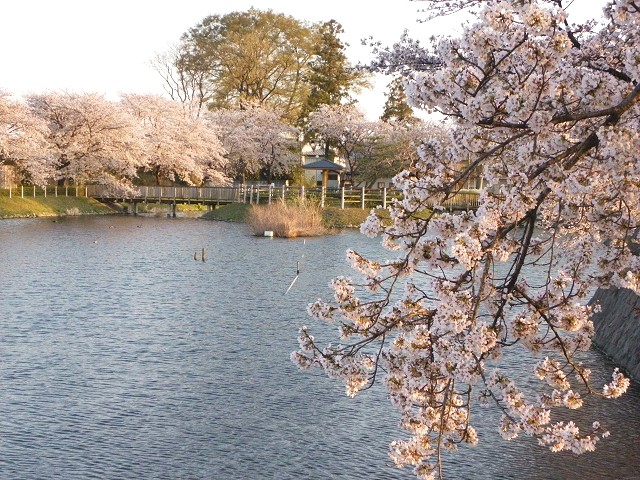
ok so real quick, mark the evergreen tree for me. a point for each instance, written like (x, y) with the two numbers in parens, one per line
(396, 108)
(331, 78)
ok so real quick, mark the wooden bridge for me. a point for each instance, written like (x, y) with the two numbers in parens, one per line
(266, 194)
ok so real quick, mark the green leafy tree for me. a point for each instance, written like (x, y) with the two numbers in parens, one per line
(260, 57)
(254, 56)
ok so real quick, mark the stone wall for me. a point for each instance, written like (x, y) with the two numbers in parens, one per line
(618, 328)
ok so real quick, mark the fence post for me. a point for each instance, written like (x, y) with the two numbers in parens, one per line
(66, 190)
(362, 198)
(21, 191)
(34, 191)
(323, 193)
(283, 192)
(45, 191)
(384, 197)
(10, 192)
(257, 195)
(342, 198)
(270, 193)
(302, 194)
(56, 190)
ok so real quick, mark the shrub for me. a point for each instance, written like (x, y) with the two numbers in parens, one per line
(287, 220)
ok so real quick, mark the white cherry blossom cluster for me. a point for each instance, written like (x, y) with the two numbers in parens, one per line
(549, 113)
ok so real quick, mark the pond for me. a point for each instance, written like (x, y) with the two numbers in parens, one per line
(123, 357)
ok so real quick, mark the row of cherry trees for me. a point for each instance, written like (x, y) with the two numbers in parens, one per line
(83, 138)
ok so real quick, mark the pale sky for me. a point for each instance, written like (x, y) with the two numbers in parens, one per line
(106, 47)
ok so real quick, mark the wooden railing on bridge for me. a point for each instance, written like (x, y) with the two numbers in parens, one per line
(252, 194)
(203, 195)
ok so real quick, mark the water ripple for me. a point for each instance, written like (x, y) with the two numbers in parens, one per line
(122, 357)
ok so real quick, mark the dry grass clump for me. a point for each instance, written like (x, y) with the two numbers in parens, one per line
(286, 220)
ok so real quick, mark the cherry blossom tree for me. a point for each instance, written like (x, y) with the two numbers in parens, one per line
(397, 149)
(91, 138)
(549, 111)
(256, 140)
(345, 128)
(23, 141)
(176, 146)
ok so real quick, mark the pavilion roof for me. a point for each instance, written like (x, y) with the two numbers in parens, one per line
(323, 165)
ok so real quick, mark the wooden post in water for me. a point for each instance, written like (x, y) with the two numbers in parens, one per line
(204, 254)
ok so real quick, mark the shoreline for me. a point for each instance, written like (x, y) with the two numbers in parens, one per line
(56, 207)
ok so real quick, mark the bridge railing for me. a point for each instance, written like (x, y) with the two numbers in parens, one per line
(265, 194)
(160, 193)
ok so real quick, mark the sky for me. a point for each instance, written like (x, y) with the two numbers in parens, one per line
(106, 47)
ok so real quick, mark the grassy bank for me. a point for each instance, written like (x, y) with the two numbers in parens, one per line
(234, 212)
(51, 207)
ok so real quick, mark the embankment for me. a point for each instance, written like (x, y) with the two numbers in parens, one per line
(618, 328)
(17, 207)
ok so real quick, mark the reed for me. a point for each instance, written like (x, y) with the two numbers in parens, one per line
(287, 220)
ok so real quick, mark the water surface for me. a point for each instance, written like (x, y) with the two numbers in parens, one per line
(122, 357)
